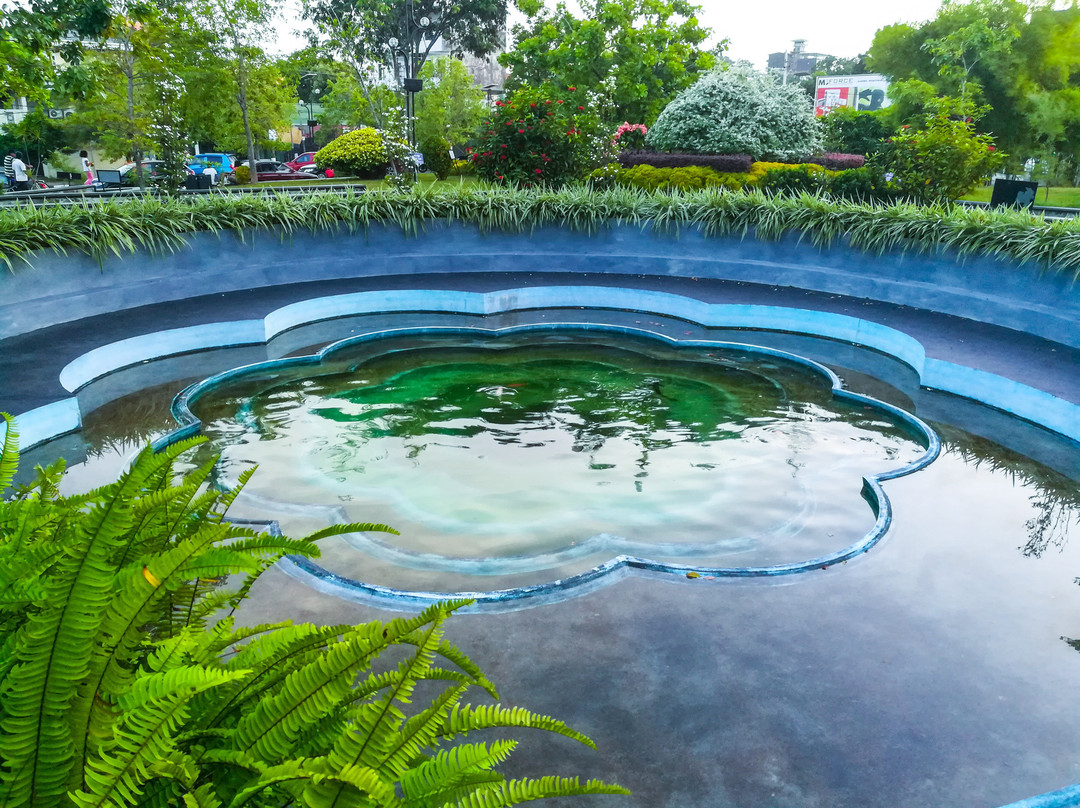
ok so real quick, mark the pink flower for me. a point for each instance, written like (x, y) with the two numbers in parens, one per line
(538, 171)
(521, 131)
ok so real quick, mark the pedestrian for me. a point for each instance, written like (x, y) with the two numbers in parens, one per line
(9, 172)
(84, 160)
(211, 172)
(22, 180)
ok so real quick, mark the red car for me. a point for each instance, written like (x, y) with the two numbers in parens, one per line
(270, 170)
(301, 160)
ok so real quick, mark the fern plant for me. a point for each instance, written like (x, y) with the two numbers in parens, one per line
(125, 680)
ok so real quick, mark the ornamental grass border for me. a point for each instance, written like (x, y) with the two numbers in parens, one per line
(160, 225)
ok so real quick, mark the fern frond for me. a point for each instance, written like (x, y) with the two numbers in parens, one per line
(441, 779)
(9, 453)
(516, 792)
(487, 716)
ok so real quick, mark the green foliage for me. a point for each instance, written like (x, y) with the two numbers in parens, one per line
(360, 152)
(539, 136)
(123, 683)
(242, 174)
(359, 31)
(651, 178)
(636, 54)
(451, 105)
(36, 136)
(436, 153)
(1019, 58)
(849, 132)
(802, 178)
(738, 111)
(156, 226)
(942, 159)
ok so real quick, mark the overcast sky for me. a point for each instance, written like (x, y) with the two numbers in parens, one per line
(757, 28)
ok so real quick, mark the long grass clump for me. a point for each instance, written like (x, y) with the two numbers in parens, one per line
(160, 225)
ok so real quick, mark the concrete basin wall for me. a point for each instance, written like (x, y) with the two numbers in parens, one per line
(64, 288)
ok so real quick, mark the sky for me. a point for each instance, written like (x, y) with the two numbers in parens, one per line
(755, 29)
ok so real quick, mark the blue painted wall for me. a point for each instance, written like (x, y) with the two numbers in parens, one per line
(59, 288)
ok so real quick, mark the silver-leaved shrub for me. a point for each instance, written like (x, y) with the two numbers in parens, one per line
(738, 110)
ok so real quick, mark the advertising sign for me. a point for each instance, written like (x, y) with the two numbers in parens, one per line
(863, 93)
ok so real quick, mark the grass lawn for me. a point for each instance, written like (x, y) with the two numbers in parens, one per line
(1058, 197)
(371, 185)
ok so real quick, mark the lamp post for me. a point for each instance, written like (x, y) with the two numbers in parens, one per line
(408, 51)
(311, 122)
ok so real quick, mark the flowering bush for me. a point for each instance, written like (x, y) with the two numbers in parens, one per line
(738, 111)
(538, 136)
(941, 160)
(629, 137)
(360, 152)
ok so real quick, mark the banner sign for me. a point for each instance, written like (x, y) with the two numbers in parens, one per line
(863, 93)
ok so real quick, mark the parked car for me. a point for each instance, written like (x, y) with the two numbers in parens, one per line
(223, 163)
(302, 160)
(270, 170)
(151, 169)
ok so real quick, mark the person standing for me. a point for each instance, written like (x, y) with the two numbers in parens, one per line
(22, 180)
(84, 161)
(9, 172)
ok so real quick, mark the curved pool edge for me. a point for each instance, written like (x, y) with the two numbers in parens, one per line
(189, 424)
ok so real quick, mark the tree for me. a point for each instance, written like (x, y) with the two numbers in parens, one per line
(636, 54)
(362, 30)
(235, 28)
(1021, 59)
(451, 106)
(738, 111)
(32, 33)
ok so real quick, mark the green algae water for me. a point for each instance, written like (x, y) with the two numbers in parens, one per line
(528, 458)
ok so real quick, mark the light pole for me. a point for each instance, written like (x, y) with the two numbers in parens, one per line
(409, 53)
(311, 122)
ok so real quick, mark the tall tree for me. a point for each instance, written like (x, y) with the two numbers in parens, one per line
(34, 33)
(637, 54)
(451, 106)
(1020, 58)
(237, 27)
(380, 31)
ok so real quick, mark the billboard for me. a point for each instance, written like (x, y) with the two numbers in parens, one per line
(863, 93)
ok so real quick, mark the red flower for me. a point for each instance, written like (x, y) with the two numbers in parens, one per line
(532, 105)
(991, 148)
(501, 177)
(548, 101)
(503, 145)
(538, 171)
(572, 89)
(559, 101)
(582, 108)
(521, 131)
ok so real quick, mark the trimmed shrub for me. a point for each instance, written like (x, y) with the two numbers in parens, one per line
(736, 111)
(436, 152)
(242, 175)
(802, 178)
(724, 163)
(651, 178)
(360, 152)
(539, 136)
(835, 161)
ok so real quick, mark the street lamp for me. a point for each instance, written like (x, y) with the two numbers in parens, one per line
(408, 51)
(311, 122)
